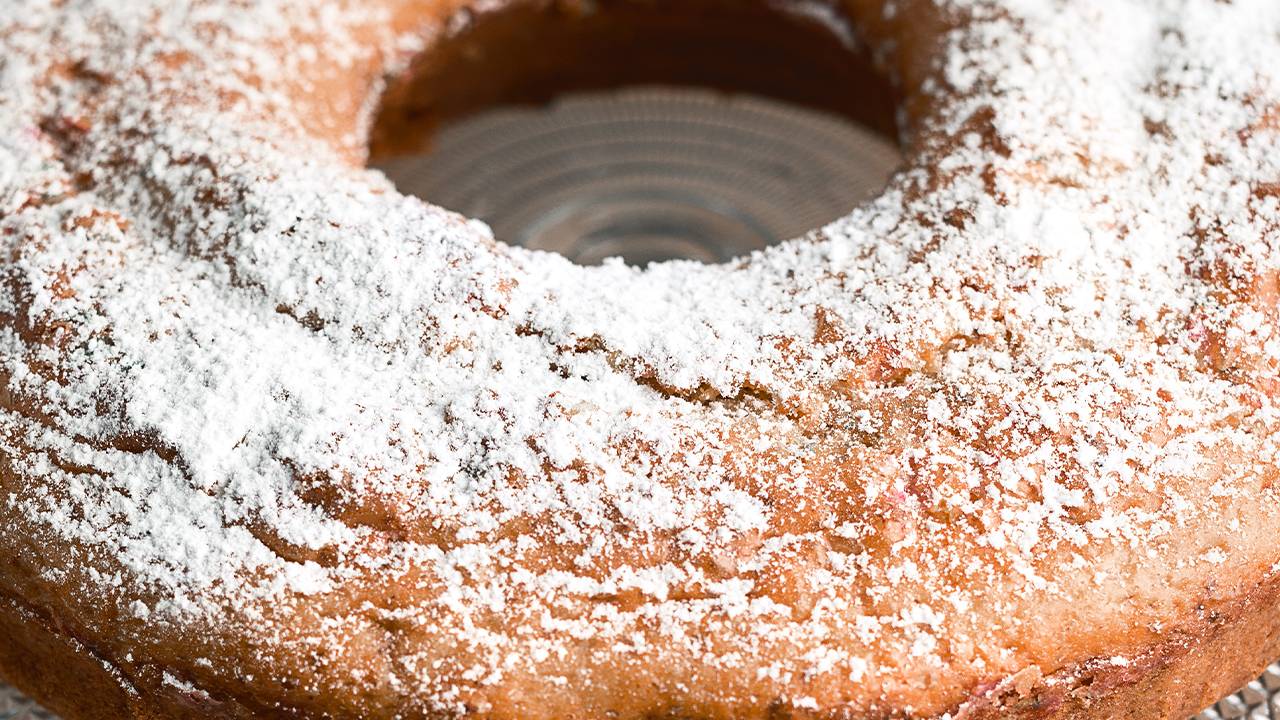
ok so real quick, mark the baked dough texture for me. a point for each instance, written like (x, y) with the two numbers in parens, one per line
(277, 441)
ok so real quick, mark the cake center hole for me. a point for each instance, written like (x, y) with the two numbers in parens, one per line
(700, 130)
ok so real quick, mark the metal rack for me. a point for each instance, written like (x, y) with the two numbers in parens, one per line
(650, 174)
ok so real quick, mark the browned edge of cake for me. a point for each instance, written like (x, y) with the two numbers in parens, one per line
(1220, 648)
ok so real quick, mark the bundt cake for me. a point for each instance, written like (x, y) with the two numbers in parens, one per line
(277, 440)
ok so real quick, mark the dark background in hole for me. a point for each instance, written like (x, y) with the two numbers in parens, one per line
(532, 51)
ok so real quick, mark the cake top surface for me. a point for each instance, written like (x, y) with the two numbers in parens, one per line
(245, 383)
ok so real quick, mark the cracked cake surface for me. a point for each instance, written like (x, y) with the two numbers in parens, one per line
(278, 441)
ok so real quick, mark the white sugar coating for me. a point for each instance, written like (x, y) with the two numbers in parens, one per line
(238, 371)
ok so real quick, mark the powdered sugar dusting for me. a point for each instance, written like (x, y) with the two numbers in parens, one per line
(243, 382)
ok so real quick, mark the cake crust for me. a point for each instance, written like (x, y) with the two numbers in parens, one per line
(277, 441)
(1213, 654)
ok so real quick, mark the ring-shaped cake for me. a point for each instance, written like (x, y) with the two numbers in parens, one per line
(278, 441)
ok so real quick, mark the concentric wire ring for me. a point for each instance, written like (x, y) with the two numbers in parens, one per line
(651, 174)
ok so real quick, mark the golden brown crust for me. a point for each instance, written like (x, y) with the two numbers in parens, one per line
(277, 442)
(1215, 652)
(71, 680)
(58, 671)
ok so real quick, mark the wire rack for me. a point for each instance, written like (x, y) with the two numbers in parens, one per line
(650, 174)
